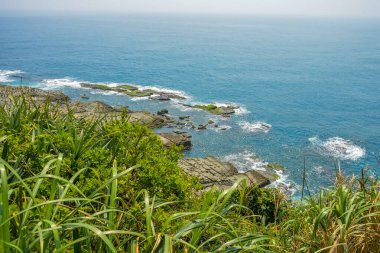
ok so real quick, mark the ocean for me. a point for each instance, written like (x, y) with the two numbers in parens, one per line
(314, 81)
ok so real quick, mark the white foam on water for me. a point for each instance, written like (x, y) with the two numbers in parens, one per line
(107, 93)
(338, 148)
(255, 127)
(319, 169)
(284, 184)
(220, 104)
(239, 109)
(113, 85)
(220, 128)
(246, 161)
(60, 82)
(6, 75)
(139, 98)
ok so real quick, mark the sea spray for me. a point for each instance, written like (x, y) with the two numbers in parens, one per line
(255, 127)
(9, 75)
(338, 148)
(58, 83)
(246, 161)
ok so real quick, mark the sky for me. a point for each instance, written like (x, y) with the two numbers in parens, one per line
(362, 8)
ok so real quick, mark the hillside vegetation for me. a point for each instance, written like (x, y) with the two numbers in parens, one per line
(105, 185)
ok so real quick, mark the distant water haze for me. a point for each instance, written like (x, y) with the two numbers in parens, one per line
(362, 8)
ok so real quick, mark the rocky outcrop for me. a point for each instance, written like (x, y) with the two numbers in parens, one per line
(135, 91)
(149, 119)
(94, 109)
(38, 95)
(177, 139)
(163, 112)
(212, 171)
(83, 109)
(224, 110)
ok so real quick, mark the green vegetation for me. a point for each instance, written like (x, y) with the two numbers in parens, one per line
(210, 108)
(275, 166)
(105, 185)
(100, 87)
(126, 86)
(139, 93)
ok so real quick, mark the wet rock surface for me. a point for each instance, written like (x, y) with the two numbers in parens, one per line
(212, 171)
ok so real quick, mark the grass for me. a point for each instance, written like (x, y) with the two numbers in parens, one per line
(75, 185)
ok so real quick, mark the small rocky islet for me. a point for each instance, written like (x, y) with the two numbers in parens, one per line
(133, 91)
(211, 171)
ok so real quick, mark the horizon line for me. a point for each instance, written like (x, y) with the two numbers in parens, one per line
(27, 13)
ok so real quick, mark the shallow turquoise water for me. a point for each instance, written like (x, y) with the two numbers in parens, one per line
(315, 81)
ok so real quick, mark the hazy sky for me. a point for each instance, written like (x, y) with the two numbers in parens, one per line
(264, 7)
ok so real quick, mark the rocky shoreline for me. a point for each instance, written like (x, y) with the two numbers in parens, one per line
(153, 94)
(209, 170)
(213, 172)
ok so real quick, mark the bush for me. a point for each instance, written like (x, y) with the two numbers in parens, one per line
(33, 133)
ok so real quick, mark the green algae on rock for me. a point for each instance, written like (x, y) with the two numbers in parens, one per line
(224, 110)
(133, 91)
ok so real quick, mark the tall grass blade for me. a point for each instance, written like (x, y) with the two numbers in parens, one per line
(4, 211)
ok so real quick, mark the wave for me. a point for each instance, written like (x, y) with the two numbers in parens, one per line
(74, 83)
(139, 98)
(106, 93)
(7, 75)
(246, 161)
(286, 185)
(338, 148)
(60, 82)
(255, 127)
(239, 109)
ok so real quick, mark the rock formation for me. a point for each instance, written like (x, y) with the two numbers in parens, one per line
(176, 138)
(212, 171)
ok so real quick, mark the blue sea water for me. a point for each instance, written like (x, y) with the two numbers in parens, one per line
(316, 81)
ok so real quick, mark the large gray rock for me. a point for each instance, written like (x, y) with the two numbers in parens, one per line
(178, 139)
(212, 171)
(149, 119)
(92, 109)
